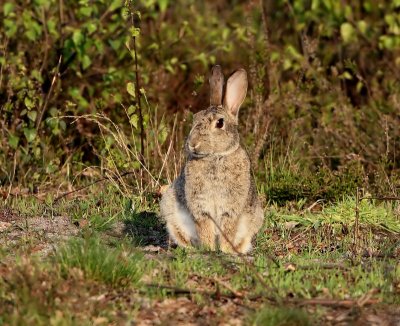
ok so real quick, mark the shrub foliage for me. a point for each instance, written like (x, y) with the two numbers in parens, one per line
(112, 84)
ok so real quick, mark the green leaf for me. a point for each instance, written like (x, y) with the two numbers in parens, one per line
(135, 31)
(115, 5)
(52, 26)
(162, 135)
(53, 112)
(131, 109)
(29, 103)
(163, 4)
(32, 115)
(134, 120)
(347, 32)
(78, 37)
(32, 28)
(13, 141)
(11, 27)
(115, 44)
(346, 75)
(41, 2)
(86, 62)
(30, 134)
(63, 125)
(86, 11)
(91, 27)
(8, 8)
(362, 26)
(130, 88)
(35, 73)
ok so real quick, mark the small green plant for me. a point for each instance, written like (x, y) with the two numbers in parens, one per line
(282, 316)
(98, 261)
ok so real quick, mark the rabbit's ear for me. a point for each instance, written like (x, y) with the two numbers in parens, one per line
(216, 86)
(235, 93)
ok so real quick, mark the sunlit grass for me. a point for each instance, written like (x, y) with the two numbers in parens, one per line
(99, 262)
(371, 213)
(299, 254)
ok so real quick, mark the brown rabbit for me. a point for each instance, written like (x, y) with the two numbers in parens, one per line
(214, 202)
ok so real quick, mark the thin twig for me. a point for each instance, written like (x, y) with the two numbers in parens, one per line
(177, 291)
(46, 101)
(366, 297)
(138, 93)
(169, 149)
(322, 266)
(223, 284)
(2, 66)
(356, 223)
(266, 79)
(309, 208)
(46, 35)
(335, 303)
(13, 175)
(91, 184)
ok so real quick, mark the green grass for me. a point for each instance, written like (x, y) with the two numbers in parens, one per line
(282, 317)
(371, 214)
(100, 276)
(113, 266)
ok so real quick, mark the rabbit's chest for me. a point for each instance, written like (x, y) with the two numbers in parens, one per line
(214, 189)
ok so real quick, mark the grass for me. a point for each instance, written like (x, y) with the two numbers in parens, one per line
(283, 317)
(113, 266)
(124, 272)
(380, 215)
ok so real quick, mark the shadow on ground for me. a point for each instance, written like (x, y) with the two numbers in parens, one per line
(146, 229)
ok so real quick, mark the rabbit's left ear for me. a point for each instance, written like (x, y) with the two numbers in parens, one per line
(235, 93)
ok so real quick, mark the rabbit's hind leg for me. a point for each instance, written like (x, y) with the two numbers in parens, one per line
(180, 224)
(181, 227)
(237, 236)
(248, 226)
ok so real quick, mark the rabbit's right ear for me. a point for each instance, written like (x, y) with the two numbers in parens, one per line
(216, 86)
(235, 93)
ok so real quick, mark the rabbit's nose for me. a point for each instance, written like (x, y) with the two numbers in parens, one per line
(193, 148)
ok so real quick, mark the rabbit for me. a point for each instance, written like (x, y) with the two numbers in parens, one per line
(213, 202)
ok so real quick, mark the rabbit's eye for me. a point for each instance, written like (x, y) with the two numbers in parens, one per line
(220, 123)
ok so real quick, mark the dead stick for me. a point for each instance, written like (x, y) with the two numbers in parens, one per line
(224, 284)
(381, 198)
(335, 303)
(177, 291)
(91, 184)
(356, 223)
(46, 101)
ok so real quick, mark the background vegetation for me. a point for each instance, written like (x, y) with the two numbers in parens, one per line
(321, 117)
